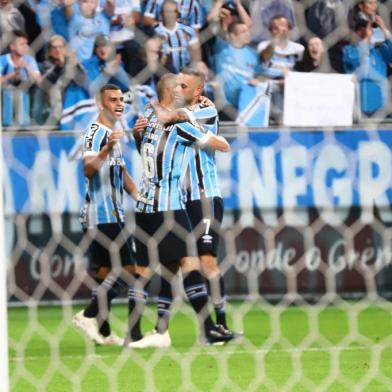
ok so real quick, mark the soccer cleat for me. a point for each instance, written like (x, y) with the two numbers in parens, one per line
(236, 335)
(217, 336)
(112, 340)
(88, 326)
(153, 339)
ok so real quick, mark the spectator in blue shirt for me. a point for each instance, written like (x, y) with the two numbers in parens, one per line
(105, 67)
(369, 63)
(85, 25)
(18, 73)
(236, 63)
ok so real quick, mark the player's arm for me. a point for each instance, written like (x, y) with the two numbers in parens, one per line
(93, 162)
(215, 142)
(170, 117)
(130, 185)
(194, 133)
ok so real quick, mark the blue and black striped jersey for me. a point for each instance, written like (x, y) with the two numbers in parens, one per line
(104, 190)
(176, 45)
(200, 177)
(164, 152)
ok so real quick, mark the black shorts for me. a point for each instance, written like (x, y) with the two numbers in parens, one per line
(110, 246)
(164, 237)
(206, 218)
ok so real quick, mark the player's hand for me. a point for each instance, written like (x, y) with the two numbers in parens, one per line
(204, 101)
(140, 125)
(163, 115)
(115, 137)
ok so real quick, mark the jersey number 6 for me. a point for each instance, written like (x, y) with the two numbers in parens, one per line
(148, 160)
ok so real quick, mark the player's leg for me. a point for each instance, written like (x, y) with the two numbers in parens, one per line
(165, 296)
(146, 226)
(137, 298)
(196, 292)
(93, 320)
(210, 270)
(206, 218)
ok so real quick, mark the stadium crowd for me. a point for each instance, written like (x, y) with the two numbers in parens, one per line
(56, 54)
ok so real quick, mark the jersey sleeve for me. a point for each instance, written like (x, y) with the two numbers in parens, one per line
(207, 117)
(94, 140)
(205, 114)
(189, 131)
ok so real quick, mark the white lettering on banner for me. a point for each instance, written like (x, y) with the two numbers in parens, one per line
(374, 156)
(338, 258)
(333, 175)
(9, 207)
(294, 177)
(313, 258)
(43, 190)
(58, 266)
(259, 260)
(341, 188)
(254, 188)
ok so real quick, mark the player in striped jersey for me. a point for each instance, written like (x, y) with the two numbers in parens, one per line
(161, 220)
(103, 220)
(181, 44)
(204, 200)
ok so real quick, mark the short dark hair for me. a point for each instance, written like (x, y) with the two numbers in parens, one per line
(163, 82)
(360, 21)
(232, 27)
(194, 72)
(19, 34)
(279, 16)
(107, 87)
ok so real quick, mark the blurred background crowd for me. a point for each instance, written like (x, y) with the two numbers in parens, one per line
(56, 54)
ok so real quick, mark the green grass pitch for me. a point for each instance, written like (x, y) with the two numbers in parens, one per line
(309, 348)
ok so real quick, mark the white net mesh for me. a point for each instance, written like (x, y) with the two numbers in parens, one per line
(305, 253)
(334, 267)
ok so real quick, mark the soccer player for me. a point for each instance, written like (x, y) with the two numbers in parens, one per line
(161, 219)
(103, 218)
(204, 200)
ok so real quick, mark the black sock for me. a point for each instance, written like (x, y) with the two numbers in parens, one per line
(196, 292)
(102, 297)
(217, 293)
(165, 300)
(137, 297)
(104, 329)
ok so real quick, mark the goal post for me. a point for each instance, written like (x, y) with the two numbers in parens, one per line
(4, 376)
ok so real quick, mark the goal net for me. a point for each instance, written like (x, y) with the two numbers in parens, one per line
(305, 251)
